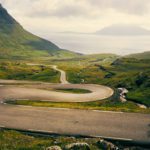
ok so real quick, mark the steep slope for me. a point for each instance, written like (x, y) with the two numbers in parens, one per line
(17, 43)
(144, 55)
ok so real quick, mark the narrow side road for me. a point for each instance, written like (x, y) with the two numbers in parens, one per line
(63, 76)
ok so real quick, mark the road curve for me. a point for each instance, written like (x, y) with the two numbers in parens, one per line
(63, 77)
(126, 126)
(45, 91)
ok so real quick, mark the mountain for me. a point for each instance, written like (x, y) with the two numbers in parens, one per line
(123, 30)
(144, 55)
(17, 43)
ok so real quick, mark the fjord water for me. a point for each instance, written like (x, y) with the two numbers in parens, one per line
(90, 43)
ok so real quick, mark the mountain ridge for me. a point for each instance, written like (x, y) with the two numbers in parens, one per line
(16, 42)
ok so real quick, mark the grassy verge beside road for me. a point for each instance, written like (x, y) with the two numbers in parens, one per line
(17, 140)
(14, 140)
(141, 96)
(104, 105)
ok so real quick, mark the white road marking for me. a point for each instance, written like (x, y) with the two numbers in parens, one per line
(52, 132)
(103, 137)
(101, 111)
(42, 131)
(113, 138)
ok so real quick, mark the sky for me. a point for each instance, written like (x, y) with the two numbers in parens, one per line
(43, 16)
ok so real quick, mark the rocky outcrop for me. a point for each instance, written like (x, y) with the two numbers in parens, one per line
(123, 92)
(53, 148)
(106, 145)
(77, 146)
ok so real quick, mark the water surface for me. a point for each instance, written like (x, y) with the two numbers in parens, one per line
(89, 44)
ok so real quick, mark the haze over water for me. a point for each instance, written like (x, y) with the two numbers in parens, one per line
(89, 44)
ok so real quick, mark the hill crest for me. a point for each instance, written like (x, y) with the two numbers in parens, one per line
(16, 42)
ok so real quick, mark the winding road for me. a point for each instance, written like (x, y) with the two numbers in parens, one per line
(63, 77)
(18, 90)
(118, 125)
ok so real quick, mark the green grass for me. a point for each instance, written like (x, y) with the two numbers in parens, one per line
(144, 55)
(18, 44)
(14, 140)
(129, 73)
(105, 105)
(21, 71)
(132, 74)
(141, 96)
(78, 91)
(81, 61)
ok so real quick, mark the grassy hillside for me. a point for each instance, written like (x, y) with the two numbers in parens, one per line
(17, 43)
(84, 60)
(21, 71)
(144, 55)
(132, 74)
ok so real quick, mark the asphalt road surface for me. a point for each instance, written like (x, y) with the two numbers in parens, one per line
(128, 126)
(63, 77)
(12, 89)
(47, 92)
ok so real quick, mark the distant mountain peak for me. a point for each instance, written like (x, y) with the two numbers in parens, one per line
(123, 29)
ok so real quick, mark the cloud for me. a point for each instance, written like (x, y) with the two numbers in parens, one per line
(87, 8)
(77, 15)
(68, 10)
(136, 7)
(76, 8)
(46, 8)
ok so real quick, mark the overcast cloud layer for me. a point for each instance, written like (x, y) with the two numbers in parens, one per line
(42, 16)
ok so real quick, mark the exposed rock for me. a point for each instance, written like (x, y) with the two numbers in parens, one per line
(107, 145)
(53, 148)
(123, 92)
(142, 106)
(78, 146)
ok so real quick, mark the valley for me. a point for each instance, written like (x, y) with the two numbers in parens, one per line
(47, 89)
